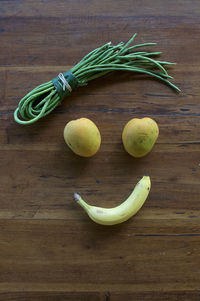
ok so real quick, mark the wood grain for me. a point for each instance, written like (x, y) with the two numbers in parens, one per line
(49, 249)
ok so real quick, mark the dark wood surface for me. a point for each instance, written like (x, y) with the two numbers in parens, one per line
(49, 249)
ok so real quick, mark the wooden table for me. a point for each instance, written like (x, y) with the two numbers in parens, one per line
(49, 248)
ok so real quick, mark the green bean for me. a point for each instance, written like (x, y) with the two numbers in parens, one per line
(43, 99)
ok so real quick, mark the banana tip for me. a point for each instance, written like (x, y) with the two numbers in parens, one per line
(77, 197)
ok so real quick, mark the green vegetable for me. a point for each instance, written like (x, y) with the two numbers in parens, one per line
(46, 97)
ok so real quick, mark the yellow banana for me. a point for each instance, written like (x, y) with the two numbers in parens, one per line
(121, 213)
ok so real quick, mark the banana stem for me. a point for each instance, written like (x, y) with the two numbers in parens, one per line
(81, 202)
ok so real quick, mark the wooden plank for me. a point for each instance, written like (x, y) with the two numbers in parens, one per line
(63, 9)
(106, 296)
(57, 256)
(53, 34)
(53, 176)
(137, 95)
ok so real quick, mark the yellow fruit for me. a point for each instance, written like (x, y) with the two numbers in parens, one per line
(120, 213)
(82, 136)
(139, 136)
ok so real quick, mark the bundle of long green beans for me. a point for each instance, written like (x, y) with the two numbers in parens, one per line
(46, 97)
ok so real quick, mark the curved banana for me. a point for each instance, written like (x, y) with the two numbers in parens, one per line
(121, 213)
